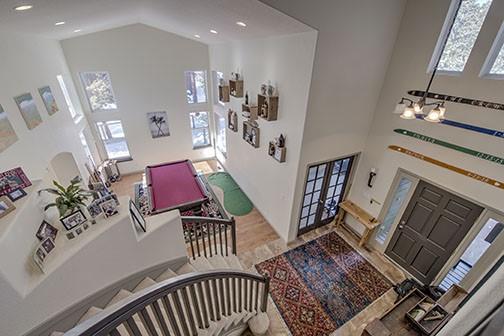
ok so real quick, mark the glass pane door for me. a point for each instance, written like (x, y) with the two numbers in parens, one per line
(324, 191)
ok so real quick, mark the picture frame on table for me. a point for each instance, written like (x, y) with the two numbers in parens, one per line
(46, 230)
(73, 220)
(109, 208)
(137, 216)
(48, 245)
(6, 206)
(16, 194)
(94, 209)
(42, 251)
(13, 179)
(110, 197)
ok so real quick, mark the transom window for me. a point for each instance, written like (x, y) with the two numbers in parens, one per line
(99, 92)
(461, 40)
(114, 139)
(196, 87)
(200, 129)
(73, 112)
(494, 64)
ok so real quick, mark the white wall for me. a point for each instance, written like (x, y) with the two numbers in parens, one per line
(407, 71)
(355, 42)
(147, 67)
(28, 63)
(287, 62)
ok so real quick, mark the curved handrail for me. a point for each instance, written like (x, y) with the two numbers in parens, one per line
(212, 293)
(208, 236)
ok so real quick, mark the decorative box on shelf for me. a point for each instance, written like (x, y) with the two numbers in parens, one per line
(276, 152)
(224, 93)
(249, 112)
(236, 88)
(268, 107)
(232, 120)
(251, 133)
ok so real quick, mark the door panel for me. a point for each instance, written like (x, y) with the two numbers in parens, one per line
(432, 226)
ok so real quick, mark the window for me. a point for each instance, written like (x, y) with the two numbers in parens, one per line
(462, 38)
(494, 64)
(114, 140)
(196, 87)
(73, 112)
(217, 76)
(85, 145)
(220, 132)
(200, 129)
(98, 87)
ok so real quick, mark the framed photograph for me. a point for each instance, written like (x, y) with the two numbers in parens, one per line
(28, 110)
(109, 208)
(108, 197)
(46, 230)
(48, 245)
(13, 179)
(6, 206)
(74, 219)
(16, 194)
(7, 134)
(70, 235)
(94, 208)
(49, 101)
(137, 216)
(158, 124)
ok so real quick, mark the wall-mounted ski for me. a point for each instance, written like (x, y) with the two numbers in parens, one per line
(458, 170)
(481, 155)
(460, 100)
(478, 129)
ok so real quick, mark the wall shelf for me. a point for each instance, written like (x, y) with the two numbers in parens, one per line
(276, 152)
(224, 93)
(249, 112)
(251, 133)
(268, 107)
(236, 88)
(232, 120)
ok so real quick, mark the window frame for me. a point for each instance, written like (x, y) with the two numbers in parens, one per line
(444, 35)
(108, 136)
(75, 114)
(207, 128)
(207, 98)
(83, 83)
(497, 47)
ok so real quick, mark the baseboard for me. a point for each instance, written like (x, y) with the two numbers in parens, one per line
(67, 319)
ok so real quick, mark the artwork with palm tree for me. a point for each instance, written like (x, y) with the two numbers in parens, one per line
(158, 124)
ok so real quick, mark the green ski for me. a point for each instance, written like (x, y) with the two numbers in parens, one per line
(480, 155)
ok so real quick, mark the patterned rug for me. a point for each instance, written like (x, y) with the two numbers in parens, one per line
(320, 285)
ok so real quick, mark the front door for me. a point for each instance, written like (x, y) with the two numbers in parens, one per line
(431, 228)
(324, 191)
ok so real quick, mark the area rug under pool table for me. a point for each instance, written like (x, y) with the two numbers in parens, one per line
(320, 285)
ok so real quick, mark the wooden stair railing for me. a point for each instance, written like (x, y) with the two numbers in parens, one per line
(206, 236)
(181, 305)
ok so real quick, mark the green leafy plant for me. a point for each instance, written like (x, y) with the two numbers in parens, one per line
(68, 199)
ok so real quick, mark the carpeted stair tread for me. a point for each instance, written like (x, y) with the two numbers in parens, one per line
(90, 313)
(218, 262)
(187, 268)
(201, 264)
(121, 295)
(233, 262)
(146, 282)
(168, 274)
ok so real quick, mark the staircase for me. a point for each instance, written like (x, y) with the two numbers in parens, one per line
(209, 295)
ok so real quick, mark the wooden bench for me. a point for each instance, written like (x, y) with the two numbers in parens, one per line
(369, 222)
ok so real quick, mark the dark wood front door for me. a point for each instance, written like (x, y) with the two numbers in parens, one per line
(432, 226)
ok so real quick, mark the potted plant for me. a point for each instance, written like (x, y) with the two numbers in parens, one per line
(68, 199)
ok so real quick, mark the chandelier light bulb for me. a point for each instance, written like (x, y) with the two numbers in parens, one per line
(434, 115)
(400, 107)
(418, 106)
(408, 113)
(442, 111)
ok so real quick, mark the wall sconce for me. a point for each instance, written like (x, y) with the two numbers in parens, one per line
(372, 175)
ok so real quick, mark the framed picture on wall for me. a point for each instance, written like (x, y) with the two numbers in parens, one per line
(6, 206)
(13, 179)
(28, 110)
(7, 134)
(16, 194)
(49, 101)
(158, 124)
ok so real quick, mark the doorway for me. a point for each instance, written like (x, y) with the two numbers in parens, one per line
(431, 228)
(324, 190)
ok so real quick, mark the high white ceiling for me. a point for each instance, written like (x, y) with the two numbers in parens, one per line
(183, 17)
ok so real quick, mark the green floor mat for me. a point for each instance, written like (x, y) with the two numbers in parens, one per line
(235, 201)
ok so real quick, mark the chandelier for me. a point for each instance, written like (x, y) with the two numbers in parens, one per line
(409, 109)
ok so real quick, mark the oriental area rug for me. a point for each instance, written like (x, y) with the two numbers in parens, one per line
(320, 285)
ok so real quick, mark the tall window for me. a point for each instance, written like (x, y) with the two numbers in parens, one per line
(73, 112)
(99, 92)
(114, 140)
(196, 87)
(494, 65)
(220, 133)
(200, 129)
(462, 38)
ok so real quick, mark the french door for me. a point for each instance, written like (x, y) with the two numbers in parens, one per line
(324, 190)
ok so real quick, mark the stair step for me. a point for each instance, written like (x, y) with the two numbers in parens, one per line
(201, 264)
(57, 333)
(218, 262)
(146, 282)
(90, 313)
(187, 268)
(168, 274)
(121, 295)
(233, 262)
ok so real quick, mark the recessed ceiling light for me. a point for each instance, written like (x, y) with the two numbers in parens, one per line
(213, 31)
(77, 30)
(23, 7)
(197, 36)
(242, 24)
(60, 23)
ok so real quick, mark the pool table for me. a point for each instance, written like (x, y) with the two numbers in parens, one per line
(174, 185)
